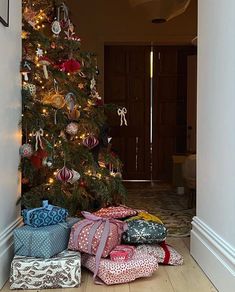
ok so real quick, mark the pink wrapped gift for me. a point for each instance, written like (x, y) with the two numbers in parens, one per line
(96, 236)
(164, 253)
(122, 253)
(116, 212)
(141, 265)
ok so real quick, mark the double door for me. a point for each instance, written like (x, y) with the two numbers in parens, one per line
(155, 96)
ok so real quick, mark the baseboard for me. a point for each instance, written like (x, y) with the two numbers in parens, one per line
(215, 256)
(6, 250)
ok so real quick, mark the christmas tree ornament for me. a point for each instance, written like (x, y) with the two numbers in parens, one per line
(57, 100)
(37, 158)
(122, 113)
(39, 52)
(74, 115)
(81, 86)
(30, 16)
(97, 72)
(38, 138)
(56, 27)
(47, 161)
(26, 150)
(76, 177)
(30, 87)
(44, 61)
(72, 129)
(93, 83)
(25, 181)
(90, 142)
(53, 45)
(25, 72)
(64, 174)
(70, 100)
(24, 34)
(70, 66)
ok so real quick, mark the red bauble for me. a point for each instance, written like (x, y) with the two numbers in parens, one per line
(71, 66)
(82, 184)
(37, 158)
(64, 174)
(90, 142)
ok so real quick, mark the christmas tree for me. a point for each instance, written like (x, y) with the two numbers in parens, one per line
(66, 153)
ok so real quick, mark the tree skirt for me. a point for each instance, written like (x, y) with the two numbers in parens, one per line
(163, 201)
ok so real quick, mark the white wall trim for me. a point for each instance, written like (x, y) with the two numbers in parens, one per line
(214, 254)
(6, 250)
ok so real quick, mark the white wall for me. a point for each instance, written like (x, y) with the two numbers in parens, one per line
(10, 110)
(213, 234)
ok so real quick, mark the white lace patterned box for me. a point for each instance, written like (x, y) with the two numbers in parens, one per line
(60, 271)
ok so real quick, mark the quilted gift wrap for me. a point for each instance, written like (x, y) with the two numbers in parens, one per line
(44, 216)
(61, 271)
(110, 272)
(116, 212)
(141, 231)
(164, 253)
(96, 236)
(42, 242)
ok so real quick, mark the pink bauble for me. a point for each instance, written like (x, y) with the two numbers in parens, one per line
(90, 142)
(64, 174)
(26, 150)
(72, 128)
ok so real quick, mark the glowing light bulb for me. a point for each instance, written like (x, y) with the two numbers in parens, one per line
(51, 180)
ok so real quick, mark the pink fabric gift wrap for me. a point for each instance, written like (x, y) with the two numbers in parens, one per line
(116, 212)
(122, 253)
(110, 272)
(96, 236)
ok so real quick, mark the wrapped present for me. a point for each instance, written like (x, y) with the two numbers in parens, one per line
(110, 272)
(116, 212)
(146, 216)
(164, 253)
(122, 253)
(96, 236)
(141, 231)
(60, 271)
(42, 242)
(44, 216)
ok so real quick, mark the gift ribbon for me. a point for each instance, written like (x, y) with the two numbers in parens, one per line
(167, 253)
(45, 206)
(122, 113)
(89, 219)
(38, 134)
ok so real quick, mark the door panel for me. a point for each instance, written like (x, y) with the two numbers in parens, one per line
(169, 107)
(127, 79)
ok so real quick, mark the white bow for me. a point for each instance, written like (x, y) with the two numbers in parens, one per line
(122, 113)
(38, 134)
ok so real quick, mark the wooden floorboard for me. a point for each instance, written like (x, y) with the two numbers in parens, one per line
(186, 278)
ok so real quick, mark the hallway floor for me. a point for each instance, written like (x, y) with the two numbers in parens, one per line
(162, 200)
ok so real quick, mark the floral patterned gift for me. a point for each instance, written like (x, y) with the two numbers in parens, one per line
(60, 271)
(45, 215)
(111, 272)
(141, 231)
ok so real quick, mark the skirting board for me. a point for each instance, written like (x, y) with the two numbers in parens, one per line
(6, 250)
(215, 256)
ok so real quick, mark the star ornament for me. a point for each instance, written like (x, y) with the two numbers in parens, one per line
(39, 52)
(81, 86)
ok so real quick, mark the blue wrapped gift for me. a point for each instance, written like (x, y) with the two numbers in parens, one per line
(44, 216)
(42, 242)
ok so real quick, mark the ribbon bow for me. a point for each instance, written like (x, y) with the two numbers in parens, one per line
(45, 206)
(38, 134)
(96, 221)
(122, 113)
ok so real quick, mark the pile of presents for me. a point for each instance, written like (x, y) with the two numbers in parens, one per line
(117, 244)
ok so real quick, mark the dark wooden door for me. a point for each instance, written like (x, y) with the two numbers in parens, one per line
(169, 107)
(127, 83)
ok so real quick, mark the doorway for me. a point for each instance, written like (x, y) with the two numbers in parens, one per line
(151, 82)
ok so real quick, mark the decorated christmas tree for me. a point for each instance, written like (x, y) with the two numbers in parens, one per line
(66, 154)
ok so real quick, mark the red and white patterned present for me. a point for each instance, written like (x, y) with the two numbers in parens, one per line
(116, 212)
(122, 253)
(96, 236)
(110, 272)
(164, 253)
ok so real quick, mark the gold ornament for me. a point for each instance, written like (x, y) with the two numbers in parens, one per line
(81, 86)
(56, 100)
(74, 114)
